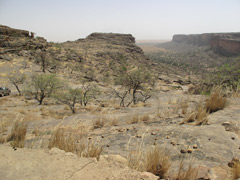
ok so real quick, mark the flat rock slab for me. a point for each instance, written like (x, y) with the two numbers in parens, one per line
(22, 164)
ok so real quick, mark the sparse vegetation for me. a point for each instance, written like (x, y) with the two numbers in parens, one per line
(216, 101)
(190, 173)
(71, 97)
(75, 143)
(136, 85)
(17, 79)
(236, 170)
(18, 134)
(44, 85)
(198, 116)
(155, 160)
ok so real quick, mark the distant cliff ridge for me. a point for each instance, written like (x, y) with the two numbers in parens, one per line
(223, 43)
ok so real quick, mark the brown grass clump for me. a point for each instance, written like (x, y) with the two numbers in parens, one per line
(70, 142)
(99, 123)
(18, 134)
(63, 140)
(157, 162)
(154, 160)
(145, 118)
(198, 117)
(93, 150)
(2, 140)
(216, 101)
(235, 168)
(135, 119)
(186, 174)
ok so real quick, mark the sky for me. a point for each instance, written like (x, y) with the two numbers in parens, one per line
(63, 20)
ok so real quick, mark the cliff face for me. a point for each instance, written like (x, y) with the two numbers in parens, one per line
(195, 39)
(226, 46)
(224, 43)
(17, 40)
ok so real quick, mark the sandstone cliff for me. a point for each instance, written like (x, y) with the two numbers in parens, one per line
(223, 43)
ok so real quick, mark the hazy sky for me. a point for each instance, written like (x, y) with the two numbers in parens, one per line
(62, 20)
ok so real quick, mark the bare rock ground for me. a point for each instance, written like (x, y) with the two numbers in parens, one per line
(38, 164)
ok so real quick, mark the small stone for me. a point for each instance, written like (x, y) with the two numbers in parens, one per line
(138, 136)
(195, 146)
(102, 136)
(226, 124)
(108, 145)
(189, 151)
(167, 137)
(183, 151)
(173, 143)
(89, 138)
(153, 133)
(233, 138)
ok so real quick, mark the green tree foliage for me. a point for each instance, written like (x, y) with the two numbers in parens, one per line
(73, 96)
(227, 75)
(137, 83)
(44, 85)
(70, 97)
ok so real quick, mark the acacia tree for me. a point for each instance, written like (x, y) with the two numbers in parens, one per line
(44, 85)
(71, 97)
(17, 79)
(136, 83)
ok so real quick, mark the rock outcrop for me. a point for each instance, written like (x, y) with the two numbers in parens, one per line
(15, 40)
(223, 43)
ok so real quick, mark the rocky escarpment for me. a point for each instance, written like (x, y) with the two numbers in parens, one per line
(223, 43)
(19, 40)
(15, 42)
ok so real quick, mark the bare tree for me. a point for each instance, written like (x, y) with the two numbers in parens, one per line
(17, 79)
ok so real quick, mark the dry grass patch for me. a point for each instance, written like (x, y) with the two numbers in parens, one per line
(145, 118)
(155, 160)
(114, 122)
(190, 173)
(76, 143)
(135, 119)
(216, 101)
(100, 122)
(198, 117)
(18, 134)
(235, 168)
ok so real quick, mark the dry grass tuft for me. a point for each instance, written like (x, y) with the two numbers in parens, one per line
(18, 134)
(198, 117)
(145, 118)
(235, 168)
(113, 122)
(93, 150)
(201, 116)
(186, 174)
(157, 162)
(74, 143)
(100, 122)
(154, 160)
(216, 101)
(135, 119)
(2, 140)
